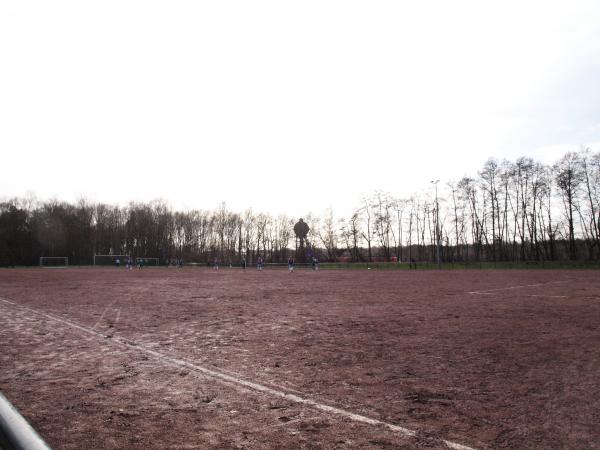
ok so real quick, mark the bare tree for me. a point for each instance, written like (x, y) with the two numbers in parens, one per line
(568, 177)
(590, 170)
(489, 174)
(350, 234)
(399, 205)
(381, 204)
(367, 234)
(327, 234)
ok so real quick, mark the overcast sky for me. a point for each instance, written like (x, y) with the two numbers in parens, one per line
(284, 107)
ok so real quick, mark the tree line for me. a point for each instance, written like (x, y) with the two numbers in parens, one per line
(520, 210)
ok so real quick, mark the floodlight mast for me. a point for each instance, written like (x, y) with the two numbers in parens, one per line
(437, 222)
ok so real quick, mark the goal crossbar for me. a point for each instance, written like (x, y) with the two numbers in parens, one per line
(109, 259)
(147, 261)
(54, 261)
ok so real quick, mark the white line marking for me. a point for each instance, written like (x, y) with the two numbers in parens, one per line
(104, 312)
(221, 376)
(523, 295)
(487, 291)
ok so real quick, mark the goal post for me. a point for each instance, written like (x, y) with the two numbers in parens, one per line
(144, 261)
(110, 260)
(54, 261)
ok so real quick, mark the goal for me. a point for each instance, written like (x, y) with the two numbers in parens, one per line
(148, 261)
(110, 260)
(54, 261)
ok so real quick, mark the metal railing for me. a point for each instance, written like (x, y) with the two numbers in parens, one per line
(15, 431)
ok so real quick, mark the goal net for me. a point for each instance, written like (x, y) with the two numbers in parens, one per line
(54, 261)
(110, 260)
(147, 261)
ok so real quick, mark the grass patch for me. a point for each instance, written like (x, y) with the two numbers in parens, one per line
(469, 265)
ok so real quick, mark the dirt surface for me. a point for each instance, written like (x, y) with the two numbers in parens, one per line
(194, 358)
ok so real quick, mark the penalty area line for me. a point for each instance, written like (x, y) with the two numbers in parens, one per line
(490, 291)
(224, 377)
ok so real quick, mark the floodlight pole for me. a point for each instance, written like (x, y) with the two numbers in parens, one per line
(437, 222)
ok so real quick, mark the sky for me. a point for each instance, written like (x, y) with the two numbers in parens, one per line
(286, 108)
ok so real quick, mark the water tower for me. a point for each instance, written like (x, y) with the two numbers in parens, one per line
(301, 230)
